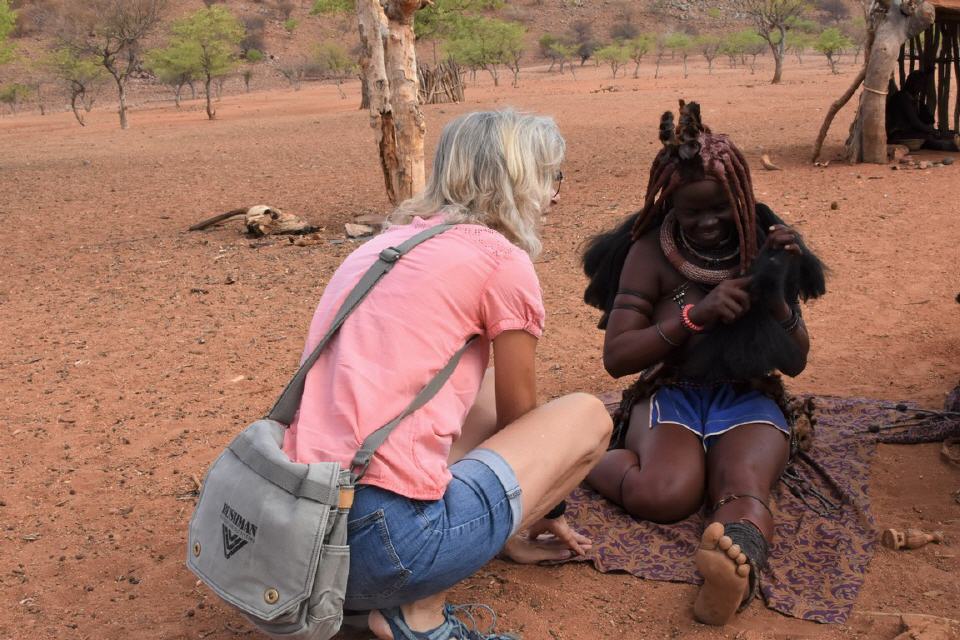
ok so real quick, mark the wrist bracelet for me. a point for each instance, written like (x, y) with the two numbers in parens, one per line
(687, 322)
(665, 338)
(557, 511)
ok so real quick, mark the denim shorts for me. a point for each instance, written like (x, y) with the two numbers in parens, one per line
(402, 550)
(710, 410)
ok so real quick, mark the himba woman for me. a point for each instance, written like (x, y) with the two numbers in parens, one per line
(458, 478)
(700, 296)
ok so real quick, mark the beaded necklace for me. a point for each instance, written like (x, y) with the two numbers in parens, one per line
(703, 275)
(713, 261)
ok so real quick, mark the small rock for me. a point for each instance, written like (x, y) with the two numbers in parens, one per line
(923, 164)
(834, 205)
(358, 230)
(947, 161)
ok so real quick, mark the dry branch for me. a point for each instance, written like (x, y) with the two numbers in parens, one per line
(834, 109)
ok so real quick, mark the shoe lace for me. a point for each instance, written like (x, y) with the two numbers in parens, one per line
(473, 632)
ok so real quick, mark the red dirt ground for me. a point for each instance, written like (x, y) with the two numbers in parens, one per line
(133, 350)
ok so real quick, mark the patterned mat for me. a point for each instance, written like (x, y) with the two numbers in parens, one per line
(825, 533)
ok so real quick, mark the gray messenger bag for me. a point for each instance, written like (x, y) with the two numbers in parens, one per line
(268, 535)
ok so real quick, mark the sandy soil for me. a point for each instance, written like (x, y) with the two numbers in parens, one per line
(133, 350)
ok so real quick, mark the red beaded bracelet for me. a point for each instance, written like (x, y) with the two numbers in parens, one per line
(687, 322)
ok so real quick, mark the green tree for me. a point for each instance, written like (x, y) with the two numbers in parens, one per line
(800, 43)
(616, 54)
(13, 94)
(175, 66)
(831, 44)
(487, 43)
(639, 47)
(709, 46)
(447, 20)
(771, 19)
(679, 43)
(334, 63)
(113, 31)
(80, 74)
(8, 21)
(744, 44)
(212, 38)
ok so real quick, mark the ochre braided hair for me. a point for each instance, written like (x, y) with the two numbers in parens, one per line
(691, 152)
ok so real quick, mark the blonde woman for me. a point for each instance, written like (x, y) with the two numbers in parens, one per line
(454, 483)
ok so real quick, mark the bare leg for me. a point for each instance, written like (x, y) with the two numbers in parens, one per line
(660, 474)
(746, 461)
(552, 448)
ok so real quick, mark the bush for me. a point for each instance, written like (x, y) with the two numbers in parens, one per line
(253, 39)
(331, 6)
(13, 94)
(253, 55)
(290, 24)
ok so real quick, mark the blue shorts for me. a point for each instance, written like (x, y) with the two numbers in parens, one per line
(402, 550)
(712, 410)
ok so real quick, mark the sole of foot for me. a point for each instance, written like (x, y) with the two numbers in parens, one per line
(725, 577)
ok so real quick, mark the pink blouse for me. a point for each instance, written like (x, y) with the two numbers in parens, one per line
(468, 280)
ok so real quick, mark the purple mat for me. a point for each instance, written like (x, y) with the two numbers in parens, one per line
(822, 546)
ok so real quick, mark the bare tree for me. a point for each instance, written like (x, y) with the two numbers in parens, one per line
(114, 31)
(770, 18)
(389, 63)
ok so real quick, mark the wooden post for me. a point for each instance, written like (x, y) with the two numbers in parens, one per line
(956, 73)
(389, 65)
(943, 87)
(902, 21)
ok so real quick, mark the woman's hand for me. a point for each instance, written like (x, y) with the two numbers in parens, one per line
(725, 303)
(780, 236)
(547, 540)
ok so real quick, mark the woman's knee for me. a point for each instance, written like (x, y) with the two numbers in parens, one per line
(662, 498)
(587, 418)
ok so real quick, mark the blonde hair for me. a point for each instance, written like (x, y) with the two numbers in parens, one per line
(494, 168)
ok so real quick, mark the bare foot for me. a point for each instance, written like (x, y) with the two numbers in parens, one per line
(378, 625)
(725, 571)
(524, 551)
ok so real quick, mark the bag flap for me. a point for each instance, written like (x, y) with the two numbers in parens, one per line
(252, 541)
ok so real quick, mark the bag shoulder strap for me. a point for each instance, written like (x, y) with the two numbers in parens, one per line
(289, 401)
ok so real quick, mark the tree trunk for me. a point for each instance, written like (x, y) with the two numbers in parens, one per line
(390, 68)
(210, 112)
(73, 106)
(895, 29)
(778, 51)
(176, 94)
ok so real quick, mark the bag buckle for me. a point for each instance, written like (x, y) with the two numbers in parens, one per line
(358, 469)
(390, 254)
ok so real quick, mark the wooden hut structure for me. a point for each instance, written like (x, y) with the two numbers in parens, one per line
(937, 49)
